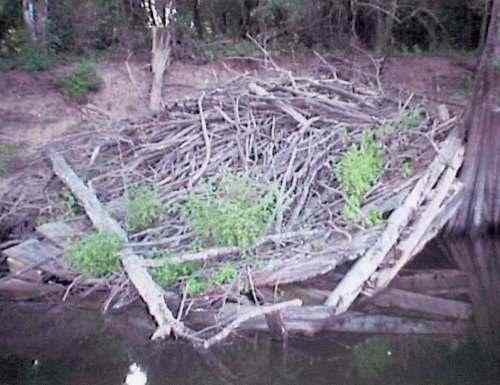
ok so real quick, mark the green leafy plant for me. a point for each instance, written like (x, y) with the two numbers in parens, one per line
(81, 82)
(71, 203)
(225, 275)
(357, 172)
(372, 357)
(171, 274)
(96, 255)
(33, 59)
(407, 169)
(411, 118)
(373, 218)
(143, 208)
(236, 211)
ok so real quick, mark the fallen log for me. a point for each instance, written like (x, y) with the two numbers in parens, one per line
(352, 284)
(133, 264)
(311, 320)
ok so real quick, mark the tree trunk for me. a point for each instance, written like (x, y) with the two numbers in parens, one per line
(480, 210)
(198, 24)
(160, 59)
(35, 20)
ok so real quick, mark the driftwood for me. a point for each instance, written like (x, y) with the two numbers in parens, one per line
(132, 264)
(449, 159)
(311, 320)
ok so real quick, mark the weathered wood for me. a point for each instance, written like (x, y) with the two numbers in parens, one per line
(304, 267)
(61, 233)
(94, 209)
(411, 244)
(133, 264)
(349, 288)
(405, 300)
(311, 320)
(431, 280)
(39, 255)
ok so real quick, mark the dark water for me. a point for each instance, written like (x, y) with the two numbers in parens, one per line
(53, 345)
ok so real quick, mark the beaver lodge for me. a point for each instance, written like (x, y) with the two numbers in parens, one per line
(287, 203)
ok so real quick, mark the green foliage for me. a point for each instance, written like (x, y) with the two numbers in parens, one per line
(81, 82)
(407, 168)
(373, 218)
(372, 357)
(234, 212)
(71, 203)
(7, 151)
(225, 275)
(97, 255)
(143, 208)
(34, 59)
(171, 274)
(411, 118)
(357, 172)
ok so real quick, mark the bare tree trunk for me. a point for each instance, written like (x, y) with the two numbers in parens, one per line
(160, 20)
(160, 59)
(480, 210)
(35, 14)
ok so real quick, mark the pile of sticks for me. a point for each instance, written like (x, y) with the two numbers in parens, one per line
(290, 131)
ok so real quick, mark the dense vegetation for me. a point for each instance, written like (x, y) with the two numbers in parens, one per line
(206, 28)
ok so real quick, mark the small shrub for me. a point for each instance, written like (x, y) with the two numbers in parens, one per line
(412, 118)
(373, 357)
(81, 82)
(357, 172)
(171, 274)
(71, 203)
(373, 218)
(97, 255)
(234, 212)
(143, 209)
(33, 59)
(407, 169)
(225, 275)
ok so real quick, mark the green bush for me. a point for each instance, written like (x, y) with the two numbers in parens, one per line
(234, 212)
(143, 209)
(171, 274)
(33, 59)
(97, 255)
(226, 274)
(81, 82)
(357, 171)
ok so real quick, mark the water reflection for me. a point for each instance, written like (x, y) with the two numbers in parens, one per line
(136, 375)
(53, 345)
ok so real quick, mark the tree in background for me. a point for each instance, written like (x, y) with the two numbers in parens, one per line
(35, 14)
(161, 17)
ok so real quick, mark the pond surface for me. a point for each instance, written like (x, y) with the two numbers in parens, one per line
(52, 345)
(56, 345)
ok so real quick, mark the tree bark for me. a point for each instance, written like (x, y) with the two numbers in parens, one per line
(35, 14)
(160, 59)
(480, 209)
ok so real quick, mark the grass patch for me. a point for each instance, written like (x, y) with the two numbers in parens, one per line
(81, 82)
(357, 171)
(226, 274)
(236, 211)
(96, 255)
(143, 209)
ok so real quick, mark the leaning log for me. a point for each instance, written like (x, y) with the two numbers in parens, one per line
(133, 264)
(351, 286)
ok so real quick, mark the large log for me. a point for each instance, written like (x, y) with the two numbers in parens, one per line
(352, 284)
(133, 264)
